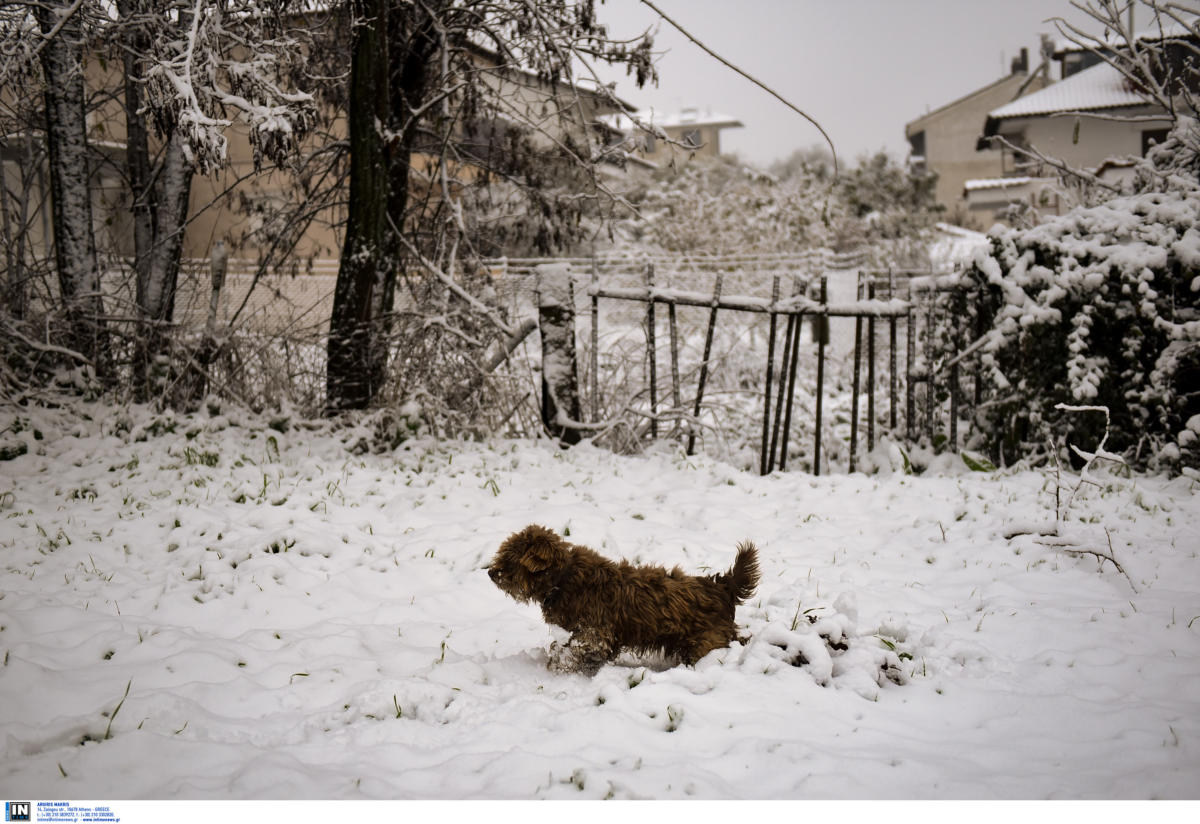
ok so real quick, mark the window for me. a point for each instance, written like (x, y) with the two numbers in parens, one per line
(691, 139)
(916, 144)
(916, 153)
(1075, 62)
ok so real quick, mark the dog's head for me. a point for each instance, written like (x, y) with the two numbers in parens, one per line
(526, 565)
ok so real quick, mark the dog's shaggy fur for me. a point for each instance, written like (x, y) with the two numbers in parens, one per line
(613, 606)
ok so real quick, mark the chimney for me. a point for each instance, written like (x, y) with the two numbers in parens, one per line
(1020, 65)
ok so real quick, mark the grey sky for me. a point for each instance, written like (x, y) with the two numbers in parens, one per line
(861, 68)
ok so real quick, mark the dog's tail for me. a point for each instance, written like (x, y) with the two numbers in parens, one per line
(742, 577)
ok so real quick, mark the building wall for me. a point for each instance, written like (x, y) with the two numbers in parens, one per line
(1040, 194)
(1084, 142)
(952, 132)
(709, 139)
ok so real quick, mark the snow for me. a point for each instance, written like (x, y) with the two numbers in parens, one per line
(688, 116)
(1100, 86)
(297, 617)
(954, 246)
(554, 285)
(996, 183)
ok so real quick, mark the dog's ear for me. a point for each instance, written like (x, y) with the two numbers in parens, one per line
(542, 550)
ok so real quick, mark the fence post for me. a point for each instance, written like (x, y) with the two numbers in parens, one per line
(791, 393)
(870, 368)
(595, 358)
(858, 290)
(676, 403)
(708, 341)
(822, 338)
(956, 343)
(560, 378)
(892, 356)
(789, 353)
(910, 354)
(770, 366)
(930, 395)
(651, 350)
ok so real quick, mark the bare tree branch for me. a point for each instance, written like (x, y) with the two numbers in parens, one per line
(749, 77)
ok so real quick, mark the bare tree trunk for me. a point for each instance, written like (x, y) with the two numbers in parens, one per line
(66, 145)
(389, 74)
(357, 352)
(156, 298)
(160, 204)
(411, 48)
(137, 144)
(14, 286)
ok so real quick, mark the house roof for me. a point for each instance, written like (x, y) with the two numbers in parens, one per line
(920, 122)
(692, 116)
(995, 183)
(1170, 30)
(1098, 87)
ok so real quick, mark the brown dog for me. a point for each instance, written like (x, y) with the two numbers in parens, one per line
(609, 606)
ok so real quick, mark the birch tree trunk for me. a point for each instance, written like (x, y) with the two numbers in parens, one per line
(160, 204)
(66, 146)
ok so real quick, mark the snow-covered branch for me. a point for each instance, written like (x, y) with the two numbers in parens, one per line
(197, 84)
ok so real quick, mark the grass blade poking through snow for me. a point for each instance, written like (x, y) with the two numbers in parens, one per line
(117, 709)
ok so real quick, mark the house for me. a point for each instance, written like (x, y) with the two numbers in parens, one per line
(943, 140)
(678, 136)
(1093, 119)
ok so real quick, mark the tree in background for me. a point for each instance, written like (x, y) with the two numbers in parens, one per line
(384, 92)
(187, 71)
(61, 56)
(724, 206)
(448, 99)
(190, 70)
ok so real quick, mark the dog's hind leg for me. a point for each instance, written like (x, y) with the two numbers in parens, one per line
(586, 652)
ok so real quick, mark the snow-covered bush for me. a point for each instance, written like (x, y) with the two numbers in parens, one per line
(1099, 306)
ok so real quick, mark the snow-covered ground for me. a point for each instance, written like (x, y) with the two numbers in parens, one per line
(210, 608)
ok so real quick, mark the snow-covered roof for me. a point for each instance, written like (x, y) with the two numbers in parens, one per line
(995, 183)
(691, 116)
(1098, 87)
(1170, 30)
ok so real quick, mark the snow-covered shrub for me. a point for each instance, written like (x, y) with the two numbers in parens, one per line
(1098, 306)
